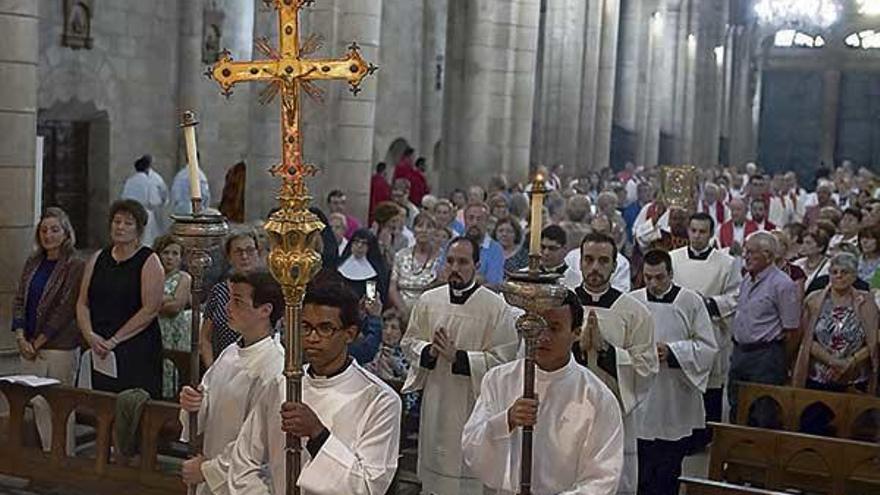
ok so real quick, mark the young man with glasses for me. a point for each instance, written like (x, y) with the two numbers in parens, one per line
(348, 422)
(237, 381)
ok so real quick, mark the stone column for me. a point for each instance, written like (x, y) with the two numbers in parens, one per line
(742, 134)
(189, 70)
(689, 29)
(589, 86)
(19, 38)
(488, 99)
(433, 70)
(830, 110)
(605, 87)
(654, 85)
(629, 64)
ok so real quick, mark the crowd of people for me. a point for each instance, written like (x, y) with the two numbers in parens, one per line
(755, 279)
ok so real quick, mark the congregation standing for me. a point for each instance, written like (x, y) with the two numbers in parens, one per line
(407, 337)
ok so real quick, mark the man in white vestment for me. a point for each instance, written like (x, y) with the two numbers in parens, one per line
(686, 348)
(714, 275)
(237, 381)
(578, 432)
(348, 421)
(617, 342)
(622, 277)
(144, 189)
(455, 334)
(181, 199)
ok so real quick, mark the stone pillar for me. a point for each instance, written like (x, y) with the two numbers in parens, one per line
(189, 70)
(630, 61)
(654, 85)
(742, 132)
(830, 109)
(589, 86)
(488, 99)
(689, 84)
(19, 38)
(433, 70)
(605, 87)
(556, 127)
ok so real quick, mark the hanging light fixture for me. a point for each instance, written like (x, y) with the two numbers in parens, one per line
(799, 13)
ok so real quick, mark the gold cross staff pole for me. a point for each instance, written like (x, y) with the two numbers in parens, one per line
(292, 229)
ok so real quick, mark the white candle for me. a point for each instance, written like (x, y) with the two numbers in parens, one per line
(192, 158)
(537, 215)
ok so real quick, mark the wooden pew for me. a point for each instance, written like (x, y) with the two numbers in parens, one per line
(102, 474)
(695, 486)
(846, 409)
(782, 460)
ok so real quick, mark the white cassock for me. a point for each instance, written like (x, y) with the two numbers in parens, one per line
(359, 457)
(644, 230)
(620, 279)
(674, 405)
(626, 325)
(232, 387)
(144, 189)
(578, 439)
(481, 325)
(715, 275)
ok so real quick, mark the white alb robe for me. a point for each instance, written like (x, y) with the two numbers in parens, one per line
(483, 327)
(674, 408)
(716, 277)
(578, 439)
(359, 457)
(145, 190)
(232, 387)
(626, 325)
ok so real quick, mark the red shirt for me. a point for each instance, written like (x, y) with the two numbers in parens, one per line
(418, 185)
(380, 191)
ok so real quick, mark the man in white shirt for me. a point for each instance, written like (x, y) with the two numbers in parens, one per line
(348, 422)
(686, 347)
(617, 343)
(146, 190)
(238, 380)
(181, 200)
(578, 432)
(456, 333)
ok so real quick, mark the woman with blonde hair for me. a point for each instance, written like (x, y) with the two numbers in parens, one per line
(44, 312)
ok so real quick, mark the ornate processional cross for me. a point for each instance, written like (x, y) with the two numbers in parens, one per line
(292, 229)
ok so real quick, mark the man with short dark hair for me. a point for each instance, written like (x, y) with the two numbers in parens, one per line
(617, 342)
(715, 276)
(758, 210)
(579, 442)
(337, 203)
(456, 333)
(144, 187)
(553, 242)
(476, 220)
(237, 382)
(349, 419)
(686, 348)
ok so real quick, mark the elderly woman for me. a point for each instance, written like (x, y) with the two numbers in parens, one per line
(509, 234)
(839, 347)
(44, 310)
(242, 250)
(175, 317)
(119, 301)
(415, 268)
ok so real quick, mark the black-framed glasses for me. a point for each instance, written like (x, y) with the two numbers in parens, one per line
(324, 330)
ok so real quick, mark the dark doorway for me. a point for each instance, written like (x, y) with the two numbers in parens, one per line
(66, 170)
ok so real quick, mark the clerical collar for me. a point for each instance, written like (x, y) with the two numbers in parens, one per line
(242, 345)
(336, 373)
(357, 269)
(461, 296)
(700, 255)
(545, 376)
(603, 300)
(667, 297)
(560, 269)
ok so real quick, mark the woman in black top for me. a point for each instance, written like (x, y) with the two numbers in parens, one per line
(119, 300)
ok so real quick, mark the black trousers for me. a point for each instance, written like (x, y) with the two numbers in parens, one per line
(660, 466)
(713, 403)
(765, 364)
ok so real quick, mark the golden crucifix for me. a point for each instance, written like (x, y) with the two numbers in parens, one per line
(292, 229)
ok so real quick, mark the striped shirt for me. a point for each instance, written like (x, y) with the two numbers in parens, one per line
(215, 310)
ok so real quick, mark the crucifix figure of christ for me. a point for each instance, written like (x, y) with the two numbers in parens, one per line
(292, 229)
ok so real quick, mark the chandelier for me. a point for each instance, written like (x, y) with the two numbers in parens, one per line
(799, 13)
(869, 7)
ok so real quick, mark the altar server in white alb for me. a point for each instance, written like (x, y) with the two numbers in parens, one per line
(715, 276)
(349, 421)
(617, 342)
(674, 406)
(238, 380)
(455, 334)
(578, 432)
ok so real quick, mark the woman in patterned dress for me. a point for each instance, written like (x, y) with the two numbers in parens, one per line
(415, 268)
(175, 317)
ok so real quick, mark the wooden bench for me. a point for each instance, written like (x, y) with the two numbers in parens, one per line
(695, 486)
(847, 410)
(102, 474)
(783, 460)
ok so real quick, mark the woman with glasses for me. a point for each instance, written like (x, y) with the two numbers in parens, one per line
(242, 252)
